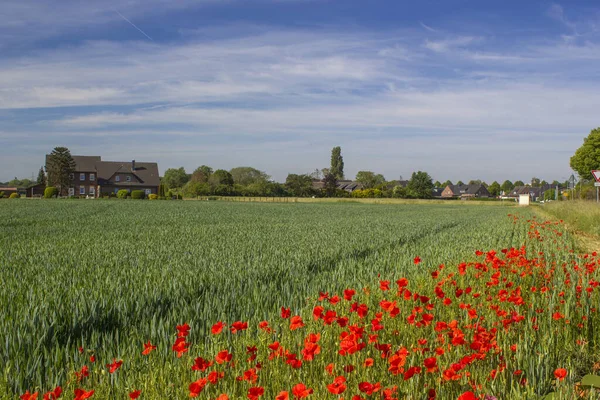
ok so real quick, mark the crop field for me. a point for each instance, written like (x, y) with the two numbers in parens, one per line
(171, 300)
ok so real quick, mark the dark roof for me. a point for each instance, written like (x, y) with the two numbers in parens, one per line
(533, 191)
(459, 190)
(83, 163)
(147, 172)
(346, 185)
(437, 192)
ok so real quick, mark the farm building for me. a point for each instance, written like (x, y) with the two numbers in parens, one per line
(94, 177)
(465, 191)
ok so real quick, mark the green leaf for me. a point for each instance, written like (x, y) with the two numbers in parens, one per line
(549, 396)
(591, 380)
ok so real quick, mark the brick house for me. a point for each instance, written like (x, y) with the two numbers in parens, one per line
(465, 191)
(94, 177)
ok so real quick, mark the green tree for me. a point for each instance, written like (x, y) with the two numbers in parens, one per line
(460, 183)
(475, 182)
(175, 178)
(247, 176)
(447, 183)
(587, 157)
(201, 174)
(535, 182)
(221, 178)
(16, 182)
(420, 185)
(299, 185)
(59, 166)
(330, 185)
(519, 183)
(494, 189)
(337, 163)
(507, 186)
(41, 179)
(195, 189)
(369, 179)
(437, 184)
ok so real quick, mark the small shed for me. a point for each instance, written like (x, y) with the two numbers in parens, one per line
(524, 199)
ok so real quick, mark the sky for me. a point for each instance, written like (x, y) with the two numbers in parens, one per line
(462, 89)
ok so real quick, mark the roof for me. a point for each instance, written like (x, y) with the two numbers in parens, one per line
(534, 191)
(83, 163)
(459, 190)
(346, 185)
(147, 172)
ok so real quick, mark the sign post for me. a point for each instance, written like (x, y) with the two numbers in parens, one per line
(596, 174)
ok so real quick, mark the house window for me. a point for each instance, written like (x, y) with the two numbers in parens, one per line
(148, 191)
(128, 179)
(117, 178)
(71, 191)
(81, 189)
(92, 190)
(71, 176)
(92, 177)
(82, 176)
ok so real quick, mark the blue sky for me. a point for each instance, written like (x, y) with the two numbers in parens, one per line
(488, 90)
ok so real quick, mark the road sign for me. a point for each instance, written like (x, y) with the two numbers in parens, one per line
(596, 174)
(596, 183)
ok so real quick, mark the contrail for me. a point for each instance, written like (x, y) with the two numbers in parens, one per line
(427, 27)
(132, 24)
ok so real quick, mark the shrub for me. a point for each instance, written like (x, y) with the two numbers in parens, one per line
(152, 196)
(14, 196)
(138, 194)
(162, 198)
(50, 192)
(122, 194)
(1, 195)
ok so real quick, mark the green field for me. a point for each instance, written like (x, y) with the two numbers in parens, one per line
(110, 275)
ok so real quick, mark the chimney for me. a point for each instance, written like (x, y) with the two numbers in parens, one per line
(132, 165)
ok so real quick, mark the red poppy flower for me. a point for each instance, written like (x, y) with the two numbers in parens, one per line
(223, 357)
(560, 373)
(348, 294)
(417, 260)
(282, 396)
(183, 330)
(338, 386)
(200, 364)
(81, 394)
(135, 394)
(431, 364)
(222, 397)
(83, 373)
(180, 346)
(217, 328)
(296, 323)
(369, 388)
(54, 394)
(29, 396)
(197, 387)
(148, 348)
(238, 326)
(467, 396)
(300, 391)
(255, 392)
(114, 366)
(285, 312)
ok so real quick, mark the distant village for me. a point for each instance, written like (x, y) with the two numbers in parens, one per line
(93, 177)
